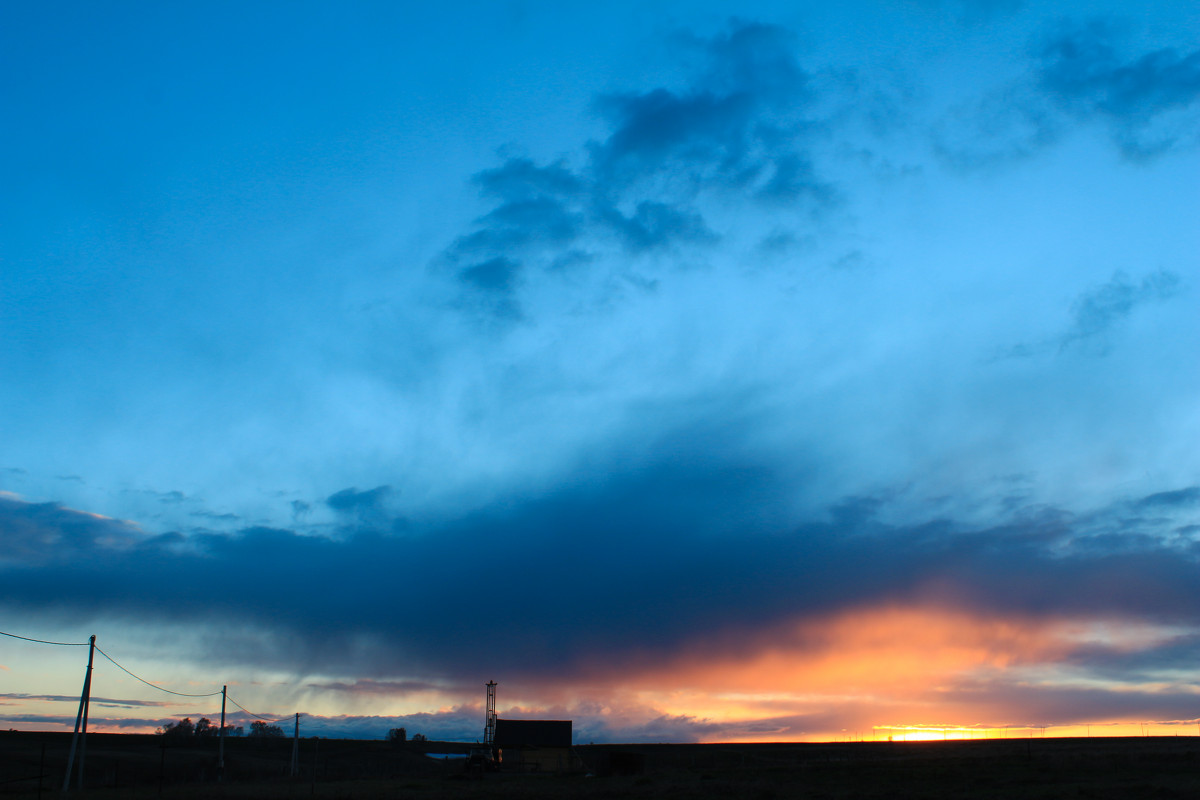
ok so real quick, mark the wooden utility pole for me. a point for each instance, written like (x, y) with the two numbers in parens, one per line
(221, 745)
(81, 721)
(296, 747)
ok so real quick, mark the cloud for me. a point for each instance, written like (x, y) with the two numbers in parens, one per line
(629, 563)
(662, 728)
(352, 501)
(1149, 104)
(723, 128)
(1097, 313)
(215, 516)
(458, 724)
(34, 531)
(1098, 310)
(656, 225)
(522, 179)
(497, 275)
(108, 702)
(1081, 70)
(674, 566)
(1179, 498)
(740, 127)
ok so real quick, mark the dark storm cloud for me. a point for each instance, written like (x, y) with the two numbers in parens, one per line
(37, 531)
(1179, 498)
(739, 125)
(665, 547)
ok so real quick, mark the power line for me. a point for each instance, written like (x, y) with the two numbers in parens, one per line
(135, 676)
(148, 683)
(44, 641)
(256, 716)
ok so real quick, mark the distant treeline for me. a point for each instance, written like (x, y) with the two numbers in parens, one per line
(185, 728)
(400, 736)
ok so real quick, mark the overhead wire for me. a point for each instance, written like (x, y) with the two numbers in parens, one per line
(135, 676)
(148, 683)
(256, 716)
(45, 641)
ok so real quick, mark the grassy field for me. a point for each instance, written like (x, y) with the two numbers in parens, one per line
(138, 767)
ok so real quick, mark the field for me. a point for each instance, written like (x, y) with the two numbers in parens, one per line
(132, 766)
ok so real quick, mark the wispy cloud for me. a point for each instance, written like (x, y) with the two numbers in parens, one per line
(1097, 313)
(1149, 102)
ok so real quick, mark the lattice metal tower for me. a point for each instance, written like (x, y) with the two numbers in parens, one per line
(489, 721)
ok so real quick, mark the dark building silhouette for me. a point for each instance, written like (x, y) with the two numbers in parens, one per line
(536, 745)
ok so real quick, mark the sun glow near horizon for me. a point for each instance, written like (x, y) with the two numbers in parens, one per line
(870, 674)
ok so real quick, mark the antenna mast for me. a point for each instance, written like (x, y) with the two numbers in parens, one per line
(489, 720)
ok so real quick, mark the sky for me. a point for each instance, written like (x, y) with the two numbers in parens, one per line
(773, 371)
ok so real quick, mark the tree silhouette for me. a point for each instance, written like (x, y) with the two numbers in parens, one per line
(182, 728)
(260, 729)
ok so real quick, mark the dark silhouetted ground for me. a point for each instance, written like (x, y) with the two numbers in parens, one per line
(131, 766)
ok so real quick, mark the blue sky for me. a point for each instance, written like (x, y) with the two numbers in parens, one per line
(658, 364)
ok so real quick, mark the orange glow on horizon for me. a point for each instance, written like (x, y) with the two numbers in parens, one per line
(914, 673)
(873, 667)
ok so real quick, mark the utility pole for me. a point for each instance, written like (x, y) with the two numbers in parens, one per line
(296, 747)
(221, 746)
(81, 720)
